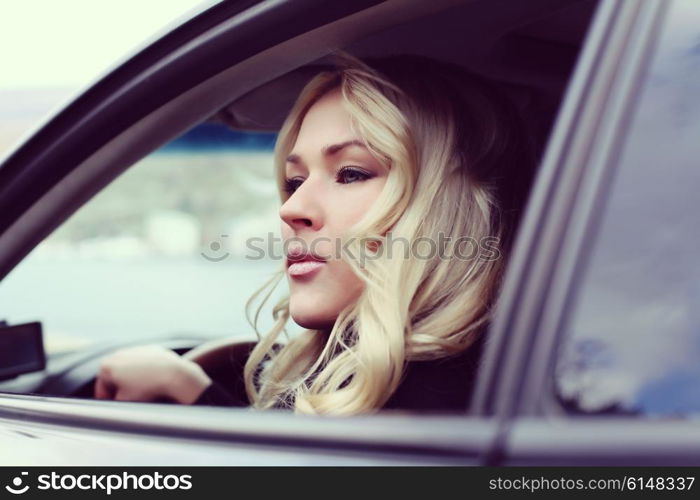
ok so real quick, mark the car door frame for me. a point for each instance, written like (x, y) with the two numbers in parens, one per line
(505, 425)
(551, 254)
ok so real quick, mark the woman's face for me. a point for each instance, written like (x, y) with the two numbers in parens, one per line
(332, 180)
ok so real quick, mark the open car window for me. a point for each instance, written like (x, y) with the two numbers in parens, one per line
(162, 249)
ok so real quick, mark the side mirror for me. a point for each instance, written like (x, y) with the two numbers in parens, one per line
(21, 349)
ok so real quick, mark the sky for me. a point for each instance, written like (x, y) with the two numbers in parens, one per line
(68, 43)
(51, 50)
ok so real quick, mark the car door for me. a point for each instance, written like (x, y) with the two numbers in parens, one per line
(602, 317)
(152, 98)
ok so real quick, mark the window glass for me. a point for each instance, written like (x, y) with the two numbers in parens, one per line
(164, 250)
(633, 342)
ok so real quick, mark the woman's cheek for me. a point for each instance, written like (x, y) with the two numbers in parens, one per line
(346, 286)
(317, 303)
(352, 203)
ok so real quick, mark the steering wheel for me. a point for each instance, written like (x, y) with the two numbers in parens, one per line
(222, 359)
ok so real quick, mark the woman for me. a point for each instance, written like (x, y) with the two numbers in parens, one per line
(401, 180)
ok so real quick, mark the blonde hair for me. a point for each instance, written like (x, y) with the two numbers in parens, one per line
(449, 139)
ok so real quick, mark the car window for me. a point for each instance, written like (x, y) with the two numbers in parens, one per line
(172, 246)
(165, 249)
(632, 344)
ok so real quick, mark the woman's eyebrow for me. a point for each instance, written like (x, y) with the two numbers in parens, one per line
(329, 150)
(334, 148)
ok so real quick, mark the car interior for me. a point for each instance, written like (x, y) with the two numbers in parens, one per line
(528, 48)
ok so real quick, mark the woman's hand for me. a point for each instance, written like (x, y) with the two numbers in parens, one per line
(148, 373)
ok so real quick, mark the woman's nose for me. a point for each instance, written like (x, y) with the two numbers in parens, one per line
(302, 209)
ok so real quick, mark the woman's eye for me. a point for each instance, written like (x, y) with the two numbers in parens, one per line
(346, 175)
(291, 185)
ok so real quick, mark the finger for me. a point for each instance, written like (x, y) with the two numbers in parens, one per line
(126, 394)
(122, 395)
(104, 389)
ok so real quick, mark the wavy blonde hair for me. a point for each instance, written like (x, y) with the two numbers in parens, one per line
(449, 138)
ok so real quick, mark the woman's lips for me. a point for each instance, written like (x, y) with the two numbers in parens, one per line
(304, 268)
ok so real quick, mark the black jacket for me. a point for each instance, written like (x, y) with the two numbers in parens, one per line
(440, 385)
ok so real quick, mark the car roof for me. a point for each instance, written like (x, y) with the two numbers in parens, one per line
(528, 47)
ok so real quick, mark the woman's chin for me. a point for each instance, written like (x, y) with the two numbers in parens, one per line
(312, 320)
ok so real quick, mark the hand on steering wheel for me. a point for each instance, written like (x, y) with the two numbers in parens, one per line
(149, 373)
